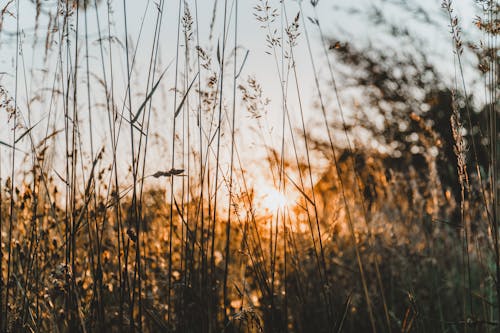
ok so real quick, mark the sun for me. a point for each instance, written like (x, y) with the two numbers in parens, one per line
(273, 200)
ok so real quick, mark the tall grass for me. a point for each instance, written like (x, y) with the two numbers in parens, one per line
(129, 200)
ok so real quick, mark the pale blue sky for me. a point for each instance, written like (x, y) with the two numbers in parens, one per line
(334, 18)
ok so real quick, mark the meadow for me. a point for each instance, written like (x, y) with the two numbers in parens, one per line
(151, 181)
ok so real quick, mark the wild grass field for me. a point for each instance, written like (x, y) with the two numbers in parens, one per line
(240, 166)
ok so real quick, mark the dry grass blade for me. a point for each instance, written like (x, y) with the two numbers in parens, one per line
(181, 104)
(242, 64)
(27, 131)
(148, 97)
(345, 311)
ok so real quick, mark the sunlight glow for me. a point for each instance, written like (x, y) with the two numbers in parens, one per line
(273, 200)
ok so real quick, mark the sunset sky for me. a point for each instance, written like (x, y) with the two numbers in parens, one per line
(346, 23)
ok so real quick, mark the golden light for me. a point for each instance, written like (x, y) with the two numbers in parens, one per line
(273, 200)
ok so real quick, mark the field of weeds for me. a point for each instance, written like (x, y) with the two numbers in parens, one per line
(242, 166)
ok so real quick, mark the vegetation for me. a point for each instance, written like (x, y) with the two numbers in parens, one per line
(181, 197)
